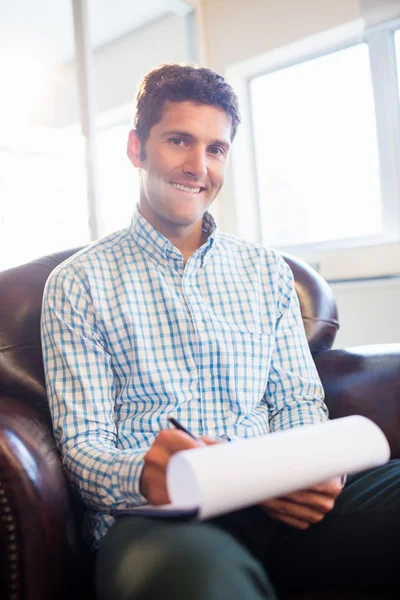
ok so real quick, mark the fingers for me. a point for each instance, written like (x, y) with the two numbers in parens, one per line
(288, 520)
(153, 481)
(167, 442)
(313, 500)
(174, 440)
(331, 488)
(210, 441)
(300, 512)
(305, 507)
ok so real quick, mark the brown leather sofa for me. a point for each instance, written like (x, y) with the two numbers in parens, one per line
(41, 553)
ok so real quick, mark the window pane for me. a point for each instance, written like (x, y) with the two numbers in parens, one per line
(43, 206)
(397, 46)
(316, 150)
(118, 180)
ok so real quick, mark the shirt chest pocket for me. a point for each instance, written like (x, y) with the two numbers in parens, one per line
(248, 369)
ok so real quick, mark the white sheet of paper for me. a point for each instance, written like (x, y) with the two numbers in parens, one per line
(226, 477)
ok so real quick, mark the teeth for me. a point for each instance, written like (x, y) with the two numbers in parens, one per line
(183, 188)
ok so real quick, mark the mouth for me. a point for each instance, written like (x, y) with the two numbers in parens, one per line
(188, 189)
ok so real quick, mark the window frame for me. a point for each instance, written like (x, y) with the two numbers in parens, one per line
(331, 258)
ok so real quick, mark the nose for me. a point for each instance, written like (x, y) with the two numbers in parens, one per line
(196, 164)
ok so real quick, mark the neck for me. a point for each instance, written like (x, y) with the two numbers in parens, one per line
(187, 239)
(186, 242)
(189, 246)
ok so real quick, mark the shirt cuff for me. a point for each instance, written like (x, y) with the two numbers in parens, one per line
(129, 478)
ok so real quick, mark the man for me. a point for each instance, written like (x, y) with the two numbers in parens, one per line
(173, 317)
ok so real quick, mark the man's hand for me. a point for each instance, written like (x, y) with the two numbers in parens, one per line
(153, 484)
(305, 507)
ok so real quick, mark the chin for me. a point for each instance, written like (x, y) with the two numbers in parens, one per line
(182, 217)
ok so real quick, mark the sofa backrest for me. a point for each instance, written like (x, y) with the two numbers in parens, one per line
(21, 292)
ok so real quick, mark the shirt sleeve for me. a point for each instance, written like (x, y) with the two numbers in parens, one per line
(80, 387)
(294, 392)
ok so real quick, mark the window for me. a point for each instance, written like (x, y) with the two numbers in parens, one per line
(397, 46)
(316, 163)
(118, 180)
(43, 206)
(316, 150)
(64, 175)
(43, 203)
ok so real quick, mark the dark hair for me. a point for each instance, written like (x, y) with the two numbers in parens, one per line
(177, 83)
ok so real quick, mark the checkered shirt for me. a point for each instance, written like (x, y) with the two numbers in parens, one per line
(130, 335)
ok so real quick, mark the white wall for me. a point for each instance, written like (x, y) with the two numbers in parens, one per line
(118, 67)
(239, 29)
(368, 312)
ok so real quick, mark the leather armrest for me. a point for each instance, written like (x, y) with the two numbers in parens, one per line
(364, 381)
(37, 532)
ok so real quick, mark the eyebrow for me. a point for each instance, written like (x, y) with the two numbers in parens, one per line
(191, 137)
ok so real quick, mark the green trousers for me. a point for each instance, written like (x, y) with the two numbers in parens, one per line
(246, 555)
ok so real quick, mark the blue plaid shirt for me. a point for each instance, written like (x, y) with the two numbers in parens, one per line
(131, 334)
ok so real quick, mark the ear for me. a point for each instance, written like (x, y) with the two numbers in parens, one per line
(133, 149)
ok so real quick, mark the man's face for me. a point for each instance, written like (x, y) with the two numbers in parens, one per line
(186, 156)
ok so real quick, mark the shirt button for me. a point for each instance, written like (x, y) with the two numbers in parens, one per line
(207, 376)
(200, 325)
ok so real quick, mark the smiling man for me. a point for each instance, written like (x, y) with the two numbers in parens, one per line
(182, 167)
(173, 317)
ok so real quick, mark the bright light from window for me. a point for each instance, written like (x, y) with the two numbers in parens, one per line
(316, 150)
(27, 78)
(43, 196)
(118, 180)
(43, 205)
(397, 46)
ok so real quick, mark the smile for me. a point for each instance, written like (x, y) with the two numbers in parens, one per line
(184, 188)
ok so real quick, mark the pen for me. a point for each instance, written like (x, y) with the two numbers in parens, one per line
(176, 424)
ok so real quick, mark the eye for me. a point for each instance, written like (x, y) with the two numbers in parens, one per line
(176, 141)
(217, 151)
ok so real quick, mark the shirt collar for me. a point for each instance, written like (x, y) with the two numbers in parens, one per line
(159, 248)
